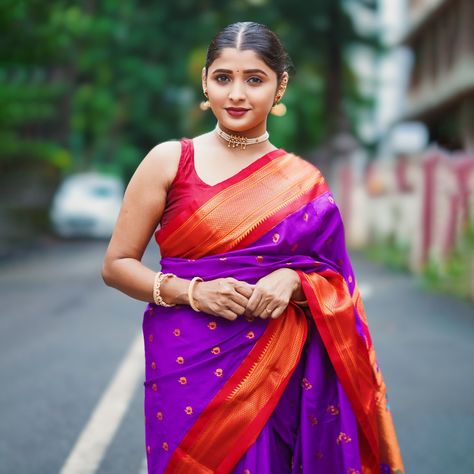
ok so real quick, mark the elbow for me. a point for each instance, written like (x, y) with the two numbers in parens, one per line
(106, 273)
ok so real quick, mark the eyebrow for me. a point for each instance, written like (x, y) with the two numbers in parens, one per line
(247, 71)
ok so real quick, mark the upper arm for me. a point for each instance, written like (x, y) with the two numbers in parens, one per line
(144, 201)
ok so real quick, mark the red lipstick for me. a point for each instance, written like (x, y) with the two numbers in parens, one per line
(236, 111)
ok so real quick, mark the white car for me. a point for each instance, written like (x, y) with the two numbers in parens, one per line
(87, 205)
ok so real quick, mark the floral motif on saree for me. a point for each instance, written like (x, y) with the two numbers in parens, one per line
(233, 233)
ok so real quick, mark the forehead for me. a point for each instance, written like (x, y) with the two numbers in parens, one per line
(237, 60)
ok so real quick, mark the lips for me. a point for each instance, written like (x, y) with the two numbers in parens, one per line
(236, 112)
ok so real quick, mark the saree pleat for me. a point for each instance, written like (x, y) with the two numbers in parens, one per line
(301, 393)
(229, 424)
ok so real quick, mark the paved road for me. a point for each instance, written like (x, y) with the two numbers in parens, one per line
(71, 358)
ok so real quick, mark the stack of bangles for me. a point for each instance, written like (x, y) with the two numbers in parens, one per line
(160, 276)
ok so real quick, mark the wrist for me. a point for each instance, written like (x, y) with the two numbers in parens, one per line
(192, 293)
(175, 290)
(158, 280)
(298, 293)
(295, 281)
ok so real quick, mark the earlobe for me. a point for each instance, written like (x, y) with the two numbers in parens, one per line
(205, 105)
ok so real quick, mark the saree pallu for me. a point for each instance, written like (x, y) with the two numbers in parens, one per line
(302, 393)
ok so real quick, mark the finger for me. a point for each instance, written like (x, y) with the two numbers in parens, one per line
(264, 310)
(264, 303)
(240, 299)
(236, 307)
(277, 312)
(253, 303)
(244, 289)
(267, 312)
(228, 314)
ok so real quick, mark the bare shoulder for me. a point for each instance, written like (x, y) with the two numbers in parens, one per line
(144, 201)
(161, 162)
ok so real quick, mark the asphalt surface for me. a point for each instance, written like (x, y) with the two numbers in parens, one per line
(64, 333)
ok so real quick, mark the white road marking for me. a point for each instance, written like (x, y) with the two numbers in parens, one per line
(92, 443)
(143, 468)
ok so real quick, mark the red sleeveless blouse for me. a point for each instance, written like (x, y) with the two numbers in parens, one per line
(187, 189)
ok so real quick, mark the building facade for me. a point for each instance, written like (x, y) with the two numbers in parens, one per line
(440, 93)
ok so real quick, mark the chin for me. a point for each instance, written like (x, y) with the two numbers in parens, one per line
(238, 125)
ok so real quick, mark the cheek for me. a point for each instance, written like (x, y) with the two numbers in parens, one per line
(217, 92)
(262, 95)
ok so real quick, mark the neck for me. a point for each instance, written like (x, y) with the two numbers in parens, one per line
(260, 129)
(240, 141)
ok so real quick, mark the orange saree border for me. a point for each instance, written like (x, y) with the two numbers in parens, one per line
(320, 187)
(202, 197)
(332, 308)
(228, 218)
(232, 420)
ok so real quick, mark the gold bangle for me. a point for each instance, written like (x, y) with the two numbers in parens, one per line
(159, 277)
(301, 302)
(190, 293)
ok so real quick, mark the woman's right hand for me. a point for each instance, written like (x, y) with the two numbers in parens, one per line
(224, 297)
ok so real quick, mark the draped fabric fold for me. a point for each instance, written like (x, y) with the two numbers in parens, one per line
(353, 357)
(232, 420)
(217, 391)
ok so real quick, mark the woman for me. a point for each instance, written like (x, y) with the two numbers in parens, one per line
(258, 354)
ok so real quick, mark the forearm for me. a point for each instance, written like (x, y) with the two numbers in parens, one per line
(136, 280)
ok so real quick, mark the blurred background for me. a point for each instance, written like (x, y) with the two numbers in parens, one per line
(382, 101)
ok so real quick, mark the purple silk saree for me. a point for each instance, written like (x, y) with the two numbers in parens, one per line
(299, 394)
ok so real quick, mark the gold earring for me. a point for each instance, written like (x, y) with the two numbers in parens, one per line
(205, 105)
(278, 108)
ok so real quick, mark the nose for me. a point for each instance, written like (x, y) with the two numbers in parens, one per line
(237, 91)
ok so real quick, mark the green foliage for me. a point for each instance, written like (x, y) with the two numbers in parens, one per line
(27, 111)
(455, 275)
(390, 253)
(97, 84)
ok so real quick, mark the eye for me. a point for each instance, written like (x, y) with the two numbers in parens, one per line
(258, 80)
(219, 76)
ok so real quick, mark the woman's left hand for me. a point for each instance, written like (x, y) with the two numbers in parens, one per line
(272, 293)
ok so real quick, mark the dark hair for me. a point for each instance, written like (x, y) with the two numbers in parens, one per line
(245, 35)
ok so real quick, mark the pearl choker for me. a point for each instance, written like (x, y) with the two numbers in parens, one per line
(239, 140)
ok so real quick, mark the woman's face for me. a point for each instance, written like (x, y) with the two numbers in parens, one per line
(240, 79)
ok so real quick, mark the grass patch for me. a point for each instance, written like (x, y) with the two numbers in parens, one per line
(390, 253)
(455, 275)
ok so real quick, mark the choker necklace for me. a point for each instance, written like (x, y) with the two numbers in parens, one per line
(239, 140)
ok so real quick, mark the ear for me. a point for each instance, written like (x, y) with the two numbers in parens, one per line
(203, 79)
(283, 83)
(281, 87)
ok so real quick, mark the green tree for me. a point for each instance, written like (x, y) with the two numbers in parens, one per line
(96, 84)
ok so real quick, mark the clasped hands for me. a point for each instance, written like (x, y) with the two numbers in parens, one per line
(268, 298)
